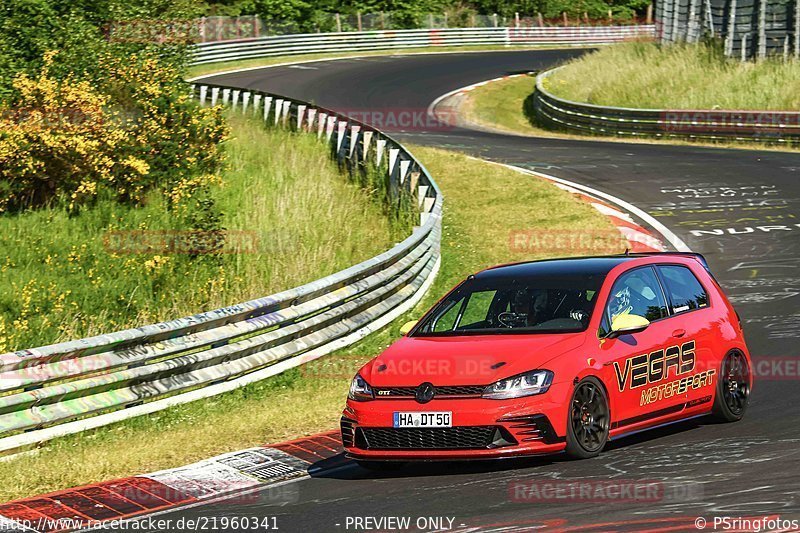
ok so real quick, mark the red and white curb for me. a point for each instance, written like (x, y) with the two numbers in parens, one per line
(237, 475)
(640, 240)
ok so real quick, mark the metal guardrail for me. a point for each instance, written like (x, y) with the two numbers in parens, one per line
(766, 126)
(382, 40)
(56, 390)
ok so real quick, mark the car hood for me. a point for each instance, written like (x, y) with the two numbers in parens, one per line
(465, 360)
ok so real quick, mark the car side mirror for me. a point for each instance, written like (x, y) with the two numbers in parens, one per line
(408, 326)
(626, 324)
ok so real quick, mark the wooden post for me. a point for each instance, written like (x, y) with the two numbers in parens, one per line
(649, 19)
(566, 18)
(610, 16)
(540, 20)
(472, 19)
(358, 18)
(516, 19)
(586, 17)
(445, 20)
(430, 20)
(383, 21)
(338, 23)
(494, 19)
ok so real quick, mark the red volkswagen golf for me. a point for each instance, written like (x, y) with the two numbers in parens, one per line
(551, 356)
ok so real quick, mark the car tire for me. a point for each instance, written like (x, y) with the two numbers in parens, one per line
(733, 388)
(381, 466)
(588, 420)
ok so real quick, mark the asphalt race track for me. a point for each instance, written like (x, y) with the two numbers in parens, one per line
(746, 202)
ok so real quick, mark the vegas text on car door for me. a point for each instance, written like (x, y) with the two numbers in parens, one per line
(692, 334)
(634, 360)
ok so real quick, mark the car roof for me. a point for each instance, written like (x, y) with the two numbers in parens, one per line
(568, 267)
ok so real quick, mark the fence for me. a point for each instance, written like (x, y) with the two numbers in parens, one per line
(748, 28)
(66, 388)
(214, 29)
(377, 40)
(765, 126)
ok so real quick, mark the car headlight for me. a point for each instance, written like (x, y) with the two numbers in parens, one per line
(360, 390)
(527, 384)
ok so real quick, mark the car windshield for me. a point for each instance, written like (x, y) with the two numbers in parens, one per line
(514, 305)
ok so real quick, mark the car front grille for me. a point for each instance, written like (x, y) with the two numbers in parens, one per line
(455, 438)
(456, 391)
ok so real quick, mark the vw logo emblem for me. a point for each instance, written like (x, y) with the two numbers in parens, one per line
(425, 393)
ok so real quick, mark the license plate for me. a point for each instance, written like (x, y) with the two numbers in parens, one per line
(440, 419)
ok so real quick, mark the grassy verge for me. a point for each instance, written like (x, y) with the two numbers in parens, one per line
(484, 204)
(646, 75)
(500, 106)
(67, 276)
(223, 66)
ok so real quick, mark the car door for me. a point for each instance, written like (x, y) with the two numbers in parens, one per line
(633, 361)
(690, 314)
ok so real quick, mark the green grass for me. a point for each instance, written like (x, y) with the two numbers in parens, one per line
(646, 75)
(500, 106)
(61, 278)
(484, 204)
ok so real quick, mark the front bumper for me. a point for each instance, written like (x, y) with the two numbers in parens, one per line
(482, 428)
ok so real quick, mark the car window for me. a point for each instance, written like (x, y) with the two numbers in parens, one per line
(477, 309)
(637, 292)
(683, 289)
(515, 304)
(447, 319)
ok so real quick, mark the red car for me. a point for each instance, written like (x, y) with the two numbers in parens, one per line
(550, 356)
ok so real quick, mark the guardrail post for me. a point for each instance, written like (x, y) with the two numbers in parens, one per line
(214, 95)
(245, 102)
(236, 94)
(256, 103)
(422, 192)
(744, 47)
(676, 14)
(797, 28)
(731, 30)
(203, 92)
(366, 137)
(285, 115)
(329, 130)
(709, 17)
(693, 31)
(278, 110)
(301, 112)
(762, 29)
(341, 135)
(312, 113)
(226, 96)
(354, 131)
(394, 171)
(267, 105)
(321, 120)
(380, 147)
(494, 19)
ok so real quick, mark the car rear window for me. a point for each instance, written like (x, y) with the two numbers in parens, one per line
(683, 289)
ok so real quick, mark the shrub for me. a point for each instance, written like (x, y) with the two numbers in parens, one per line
(64, 139)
